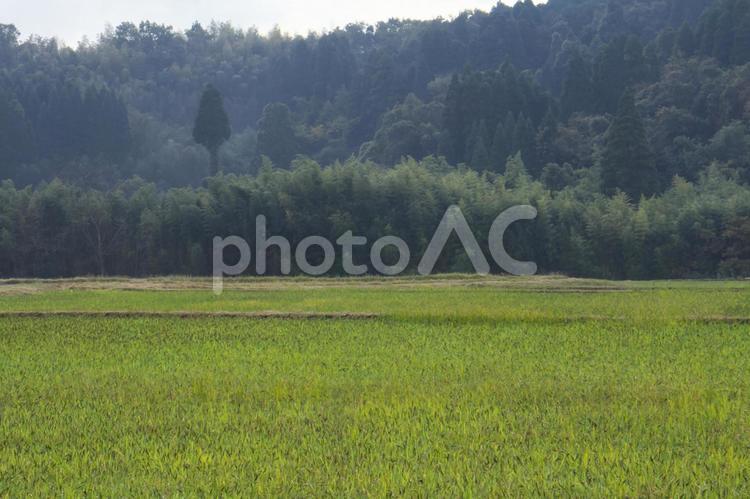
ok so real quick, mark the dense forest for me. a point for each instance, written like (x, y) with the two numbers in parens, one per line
(626, 123)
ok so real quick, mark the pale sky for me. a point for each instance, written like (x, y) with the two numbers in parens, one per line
(70, 20)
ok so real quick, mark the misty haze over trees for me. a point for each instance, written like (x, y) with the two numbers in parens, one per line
(626, 123)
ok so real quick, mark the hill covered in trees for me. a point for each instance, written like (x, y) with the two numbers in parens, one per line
(625, 122)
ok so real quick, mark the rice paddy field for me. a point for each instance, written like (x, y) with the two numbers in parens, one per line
(447, 386)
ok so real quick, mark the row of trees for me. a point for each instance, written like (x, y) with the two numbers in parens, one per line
(475, 89)
(625, 123)
(697, 229)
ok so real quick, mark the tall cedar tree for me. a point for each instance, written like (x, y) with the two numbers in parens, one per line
(619, 65)
(480, 157)
(524, 139)
(16, 141)
(577, 88)
(627, 163)
(276, 137)
(212, 125)
(685, 43)
(500, 148)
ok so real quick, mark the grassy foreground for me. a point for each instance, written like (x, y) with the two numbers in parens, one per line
(456, 387)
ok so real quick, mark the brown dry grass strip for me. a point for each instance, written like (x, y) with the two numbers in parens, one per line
(720, 319)
(536, 283)
(124, 314)
(189, 315)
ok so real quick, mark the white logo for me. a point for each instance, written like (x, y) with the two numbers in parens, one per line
(453, 221)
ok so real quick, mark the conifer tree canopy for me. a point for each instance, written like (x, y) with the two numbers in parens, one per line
(212, 125)
(276, 138)
(627, 163)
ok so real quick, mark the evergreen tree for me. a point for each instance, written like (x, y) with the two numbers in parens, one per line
(724, 37)
(500, 149)
(471, 139)
(613, 22)
(16, 143)
(634, 60)
(212, 125)
(276, 138)
(619, 65)
(524, 140)
(454, 119)
(685, 43)
(480, 158)
(106, 128)
(682, 11)
(627, 163)
(577, 88)
(510, 133)
(545, 139)
(477, 153)
(741, 48)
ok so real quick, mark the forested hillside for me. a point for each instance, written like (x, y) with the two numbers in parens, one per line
(627, 123)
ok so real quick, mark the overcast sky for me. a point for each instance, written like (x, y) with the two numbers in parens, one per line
(70, 20)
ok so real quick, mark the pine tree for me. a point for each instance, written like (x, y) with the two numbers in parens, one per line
(479, 157)
(212, 125)
(524, 139)
(627, 163)
(105, 127)
(741, 47)
(453, 117)
(724, 38)
(635, 63)
(682, 11)
(545, 139)
(510, 133)
(471, 139)
(16, 144)
(276, 138)
(685, 43)
(619, 65)
(613, 22)
(499, 153)
(577, 88)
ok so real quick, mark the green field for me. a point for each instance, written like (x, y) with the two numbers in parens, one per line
(449, 386)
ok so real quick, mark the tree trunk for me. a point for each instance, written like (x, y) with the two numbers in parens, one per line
(214, 169)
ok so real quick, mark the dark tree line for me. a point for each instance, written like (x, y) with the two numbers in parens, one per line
(697, 229)
(338, 85)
